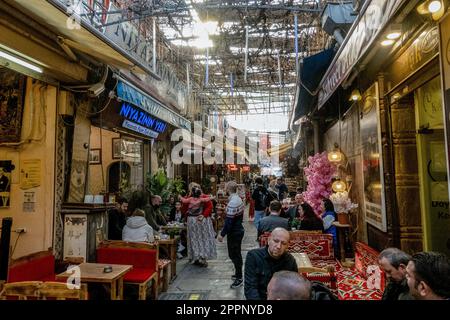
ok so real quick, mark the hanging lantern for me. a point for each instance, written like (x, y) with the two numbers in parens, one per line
(339, 186)
(334, 156)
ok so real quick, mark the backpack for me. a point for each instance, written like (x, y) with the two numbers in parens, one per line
(263, 198)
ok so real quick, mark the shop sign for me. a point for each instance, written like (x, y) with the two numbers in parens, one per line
(141, 118)
(361, 36)
(232, 167)
(245, 168)
(420, 52)
(127, 93)
(105, 17)
(127, 36)
(140, 129)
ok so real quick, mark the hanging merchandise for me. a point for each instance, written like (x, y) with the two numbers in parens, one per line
(246, 54)
(296, 43)
(207, 67)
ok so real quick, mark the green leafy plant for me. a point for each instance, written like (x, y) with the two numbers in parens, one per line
(295, 223)
(159, 184)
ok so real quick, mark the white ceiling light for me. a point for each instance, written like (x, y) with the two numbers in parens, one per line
(388, 42)
(19, 61)
(394, 35)
(434, 6)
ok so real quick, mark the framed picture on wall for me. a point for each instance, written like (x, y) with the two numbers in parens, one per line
(116, 148)
(95, 156)
(5, 183)
(12, 89)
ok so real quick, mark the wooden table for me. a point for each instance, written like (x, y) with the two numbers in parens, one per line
(341, 230)
(93, 272)
(171, 245)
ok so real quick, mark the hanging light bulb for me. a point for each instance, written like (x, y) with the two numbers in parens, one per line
(355, 96)
(335, 155)
(435, 7)
(339, 186)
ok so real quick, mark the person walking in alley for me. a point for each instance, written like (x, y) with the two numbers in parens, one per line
(201, 235)
(262, 200)
(234, 231)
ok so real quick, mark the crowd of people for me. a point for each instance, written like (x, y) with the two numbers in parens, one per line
(270, 272)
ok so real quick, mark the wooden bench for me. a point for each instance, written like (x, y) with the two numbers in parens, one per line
(42, 290)
(355, 281)
(318, 248)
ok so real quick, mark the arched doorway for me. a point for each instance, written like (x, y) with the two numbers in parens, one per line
(119, 173)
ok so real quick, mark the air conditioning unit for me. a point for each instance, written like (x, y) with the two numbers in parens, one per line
(66, 103)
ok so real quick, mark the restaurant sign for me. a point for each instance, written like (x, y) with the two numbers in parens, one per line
(141, 122)
(116, 26)
(419, 53)
(132, 95)
(361, 36)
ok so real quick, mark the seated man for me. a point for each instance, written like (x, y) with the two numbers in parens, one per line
(289, 285)
(393, 261)
(117, 219)
(261, 263)
(428, 278)
(272, 221)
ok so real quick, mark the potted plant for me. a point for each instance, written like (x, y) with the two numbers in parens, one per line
(342, 206)
(159, 184)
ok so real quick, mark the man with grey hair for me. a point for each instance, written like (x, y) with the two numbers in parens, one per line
(393, 262)
(288, 285)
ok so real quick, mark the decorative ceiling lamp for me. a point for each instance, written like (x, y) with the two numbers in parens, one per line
(335, 155)
(339, 186)
(435, 7)
(355, 96)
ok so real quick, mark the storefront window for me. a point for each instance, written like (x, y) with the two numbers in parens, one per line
(432, 166)
(116, 162)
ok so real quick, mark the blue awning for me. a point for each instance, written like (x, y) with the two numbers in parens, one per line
(126, 91)
(311, 72)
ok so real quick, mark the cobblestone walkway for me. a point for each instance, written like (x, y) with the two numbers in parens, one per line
(213, 282)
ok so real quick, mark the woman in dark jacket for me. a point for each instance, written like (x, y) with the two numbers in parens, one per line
(310, 220)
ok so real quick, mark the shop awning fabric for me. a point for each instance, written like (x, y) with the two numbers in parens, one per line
(280, 149)
(312, 71)
(127, 92)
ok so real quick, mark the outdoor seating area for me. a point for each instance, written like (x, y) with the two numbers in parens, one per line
(348, 283)
(39, 266)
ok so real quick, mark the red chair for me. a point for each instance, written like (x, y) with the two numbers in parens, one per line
(38, 266)
(145, 266)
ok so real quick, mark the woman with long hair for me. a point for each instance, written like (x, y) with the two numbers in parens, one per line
(310, 220)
